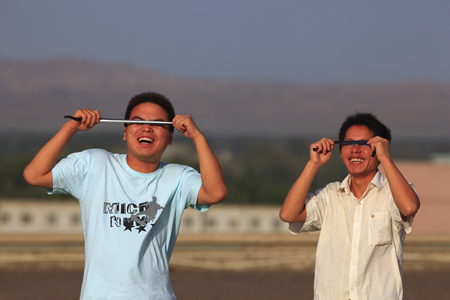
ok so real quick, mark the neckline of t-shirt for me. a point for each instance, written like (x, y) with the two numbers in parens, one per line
(134, 172)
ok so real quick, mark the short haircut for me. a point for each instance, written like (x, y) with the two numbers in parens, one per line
(368, 120)
(151, 97)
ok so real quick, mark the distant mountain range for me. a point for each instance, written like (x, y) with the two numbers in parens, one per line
(35, 95)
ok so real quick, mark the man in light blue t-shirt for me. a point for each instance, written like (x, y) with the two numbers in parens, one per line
(131, 204)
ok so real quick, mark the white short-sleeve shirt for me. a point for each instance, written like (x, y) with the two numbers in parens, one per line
(359, 253)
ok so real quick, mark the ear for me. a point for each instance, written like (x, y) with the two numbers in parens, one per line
(170, 138)
(125, 134)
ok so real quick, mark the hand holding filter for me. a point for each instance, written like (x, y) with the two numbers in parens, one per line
(351, 143)
(124, 121)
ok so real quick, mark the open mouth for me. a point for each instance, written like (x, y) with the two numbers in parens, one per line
(145, 140)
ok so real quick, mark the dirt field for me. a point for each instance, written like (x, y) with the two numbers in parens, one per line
(190, 285)
(213, 267)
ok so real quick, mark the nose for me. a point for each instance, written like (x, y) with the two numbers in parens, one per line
(356, 147)
(147, 127)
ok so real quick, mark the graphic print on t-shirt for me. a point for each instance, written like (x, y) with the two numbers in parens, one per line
(139, 216)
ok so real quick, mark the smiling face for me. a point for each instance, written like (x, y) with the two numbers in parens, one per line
(358, 158)
(146, 143)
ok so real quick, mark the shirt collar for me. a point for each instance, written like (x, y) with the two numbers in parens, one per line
(377, 181)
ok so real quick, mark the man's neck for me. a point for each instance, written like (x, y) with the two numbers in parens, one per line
(142, 166)
(359, 184)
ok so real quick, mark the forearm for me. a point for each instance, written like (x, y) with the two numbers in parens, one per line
(213, 188)
(293, 209)
(405, 197)
(38, 171)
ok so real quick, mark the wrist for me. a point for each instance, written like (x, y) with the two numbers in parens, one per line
(312, 165)
(386, 161)
(199, 137)
(69, 130)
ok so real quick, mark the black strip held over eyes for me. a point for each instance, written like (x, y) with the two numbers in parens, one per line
(352, 143)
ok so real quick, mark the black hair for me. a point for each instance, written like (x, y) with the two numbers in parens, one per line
(151, 97)
(368, 120)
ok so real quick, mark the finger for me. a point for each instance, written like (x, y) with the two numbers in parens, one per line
(317, 147)
(88, 117)
(330, 144)
(81, 115)
(379, 145)
(323, 146)
(186, 122)
(91, 118)
(95, 114)
(178, 123)
(98, 116)
(327, 145)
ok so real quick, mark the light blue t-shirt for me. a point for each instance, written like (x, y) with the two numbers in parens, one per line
(126, 252)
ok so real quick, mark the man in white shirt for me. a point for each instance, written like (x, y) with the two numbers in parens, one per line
(363, 220)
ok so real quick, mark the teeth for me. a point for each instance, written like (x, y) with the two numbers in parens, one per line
(145, 140)
(356, 160)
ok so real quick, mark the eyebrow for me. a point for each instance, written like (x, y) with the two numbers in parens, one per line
(141, 119)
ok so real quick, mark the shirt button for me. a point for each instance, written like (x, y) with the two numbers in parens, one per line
(356, 224)
(353, 267)
(354, 245)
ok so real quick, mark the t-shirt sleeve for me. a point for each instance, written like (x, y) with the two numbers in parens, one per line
(69, 174)
(191, 185)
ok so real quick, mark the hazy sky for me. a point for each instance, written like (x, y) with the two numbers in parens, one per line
(328, 41)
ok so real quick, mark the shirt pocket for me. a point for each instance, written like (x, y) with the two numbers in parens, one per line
(380, 229)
